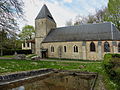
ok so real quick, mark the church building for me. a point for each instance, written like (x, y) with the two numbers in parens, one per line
(86, 41)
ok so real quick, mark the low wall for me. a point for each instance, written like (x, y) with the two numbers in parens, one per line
(12, 77)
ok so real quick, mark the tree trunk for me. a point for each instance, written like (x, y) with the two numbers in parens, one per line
(1, 52)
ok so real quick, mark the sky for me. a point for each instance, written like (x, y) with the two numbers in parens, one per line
(61, 10)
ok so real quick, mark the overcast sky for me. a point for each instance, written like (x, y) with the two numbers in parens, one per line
(61, 10)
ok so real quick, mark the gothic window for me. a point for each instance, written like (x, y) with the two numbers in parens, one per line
(75, 48)
(106, 47)
(119, 47)
(92, 47)
(65, 49)
(52, 49)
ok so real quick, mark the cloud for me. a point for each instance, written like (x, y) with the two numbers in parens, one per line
(61, 10)
(60, 13)
(68, 1)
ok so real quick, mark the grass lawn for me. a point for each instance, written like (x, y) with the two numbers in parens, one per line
(8, 66)
(8, 56)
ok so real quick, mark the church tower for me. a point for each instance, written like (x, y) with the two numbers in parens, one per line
(44, 22)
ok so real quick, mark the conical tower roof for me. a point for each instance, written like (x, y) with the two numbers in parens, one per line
(45, 13)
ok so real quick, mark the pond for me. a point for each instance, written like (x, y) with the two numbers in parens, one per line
(58, 80)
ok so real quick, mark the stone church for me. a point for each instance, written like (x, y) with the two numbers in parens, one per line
(86, 41)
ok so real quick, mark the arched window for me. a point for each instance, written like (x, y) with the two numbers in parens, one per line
(92, 47)
(106, 47)
(52, 49)
(118, 47)
(75, 48)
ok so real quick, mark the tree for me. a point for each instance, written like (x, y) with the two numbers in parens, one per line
(100, 15)
(3, 37)
(91, 19)
(9, 11)
(80, 20)
(27, 32)
(113, 14)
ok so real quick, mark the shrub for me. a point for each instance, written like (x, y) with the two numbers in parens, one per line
(111, 65)
(11, 52)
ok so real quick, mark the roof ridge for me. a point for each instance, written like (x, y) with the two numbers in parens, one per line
(84, 24)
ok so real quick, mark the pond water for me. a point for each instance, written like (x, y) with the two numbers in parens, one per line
(55, 81)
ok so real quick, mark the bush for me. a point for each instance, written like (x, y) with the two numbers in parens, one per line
(111, 65)
(12, 52)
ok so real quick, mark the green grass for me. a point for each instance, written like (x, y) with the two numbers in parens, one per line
(64, 59)
(8, 66)
(8, 56)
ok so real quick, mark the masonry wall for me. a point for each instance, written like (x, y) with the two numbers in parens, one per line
(83, 50)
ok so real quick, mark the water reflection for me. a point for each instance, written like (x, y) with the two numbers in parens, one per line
(19, 88)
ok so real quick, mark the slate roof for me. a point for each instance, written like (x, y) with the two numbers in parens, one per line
(85, 32)
(45, 13)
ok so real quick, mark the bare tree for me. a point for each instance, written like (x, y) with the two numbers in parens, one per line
(80, 20)
(100, 14)
(9, 11)
(91, 19)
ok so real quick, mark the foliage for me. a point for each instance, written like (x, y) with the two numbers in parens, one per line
(10, 11)
(27, 32)
(8, 43)
(12, 51)
(113, 12)
(112, 67)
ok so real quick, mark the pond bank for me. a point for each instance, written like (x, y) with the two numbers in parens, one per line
(50, 76)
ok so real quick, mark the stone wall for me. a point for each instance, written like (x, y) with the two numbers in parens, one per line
(16, 76)
(83, 49)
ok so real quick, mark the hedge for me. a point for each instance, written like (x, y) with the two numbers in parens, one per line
(111, 65)
(12, 52)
